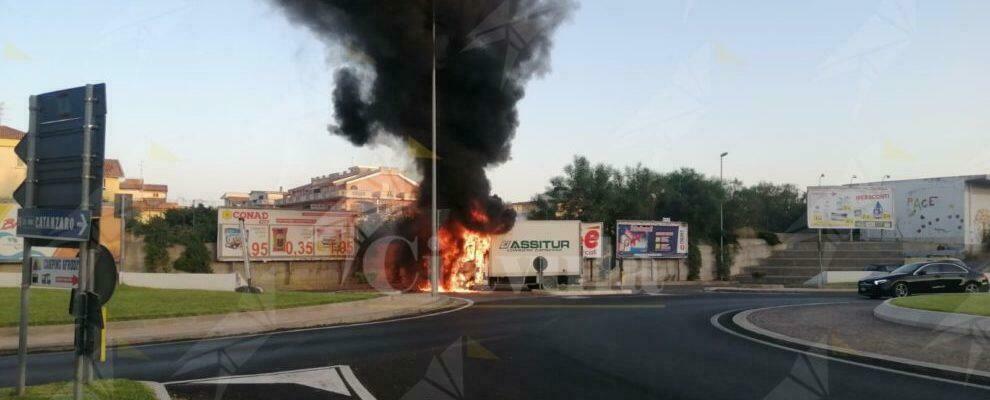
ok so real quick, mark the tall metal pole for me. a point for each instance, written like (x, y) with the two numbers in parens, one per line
(435, 240)
(244, 253)
(821, 261)
(851, 230)
(26, 252)
(721, 215)
(85, 256)
(123, 232)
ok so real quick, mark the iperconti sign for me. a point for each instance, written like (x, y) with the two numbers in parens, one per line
(55, 272)
(850, 208)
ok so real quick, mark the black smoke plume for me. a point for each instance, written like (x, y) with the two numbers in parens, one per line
(486, 49)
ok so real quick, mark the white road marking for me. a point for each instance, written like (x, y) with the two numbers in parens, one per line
(717, 325)
(329, 379)
(352, 380)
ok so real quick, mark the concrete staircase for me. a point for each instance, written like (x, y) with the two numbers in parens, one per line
(799, 262)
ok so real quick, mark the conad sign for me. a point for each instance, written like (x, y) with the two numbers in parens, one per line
(285, 234)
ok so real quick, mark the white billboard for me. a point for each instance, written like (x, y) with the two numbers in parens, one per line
(591, 240)
(841, 207)
(274, 234)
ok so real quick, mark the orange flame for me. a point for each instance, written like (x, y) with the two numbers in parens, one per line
(463, 256)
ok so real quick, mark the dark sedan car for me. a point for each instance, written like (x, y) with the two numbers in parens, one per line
(924, 277)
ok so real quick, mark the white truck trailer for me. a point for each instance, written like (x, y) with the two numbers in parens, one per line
(553, 246)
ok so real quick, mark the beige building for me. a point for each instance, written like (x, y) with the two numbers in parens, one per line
(235, 199)
(265, 198)
(366, 190)
(12, 169)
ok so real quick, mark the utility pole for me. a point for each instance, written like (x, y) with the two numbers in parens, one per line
(821, 258)
(851, 179)
(435, 239)
(721, 215)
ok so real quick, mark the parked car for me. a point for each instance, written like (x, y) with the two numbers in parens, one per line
(924, 277)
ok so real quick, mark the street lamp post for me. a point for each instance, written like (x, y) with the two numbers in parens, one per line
(820, 177)
(851, 179)
(721, 214)
(882, 180)
(434, 217)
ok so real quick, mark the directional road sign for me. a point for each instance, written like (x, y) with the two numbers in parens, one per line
(68, 225)
(61, 151)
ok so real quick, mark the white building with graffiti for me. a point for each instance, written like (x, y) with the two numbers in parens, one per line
(954, 211)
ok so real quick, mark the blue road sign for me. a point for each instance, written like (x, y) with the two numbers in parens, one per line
(59, 149)
(42, 223)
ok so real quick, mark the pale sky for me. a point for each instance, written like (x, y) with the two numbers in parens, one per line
(215, 96)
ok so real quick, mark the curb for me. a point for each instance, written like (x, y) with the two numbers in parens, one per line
(780, 290)
(583, 292)
(158, 389)
(963, 324)
(742, 321)
(443, 304)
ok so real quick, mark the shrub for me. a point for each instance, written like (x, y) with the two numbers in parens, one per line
(195, 258)
(769, 237)
(693, 262)
(191, 227)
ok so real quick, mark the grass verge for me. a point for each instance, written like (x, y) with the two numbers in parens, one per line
(112, 389)
(51, 306)
(963, 303)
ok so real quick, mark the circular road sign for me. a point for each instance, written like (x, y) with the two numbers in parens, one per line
(540, 264)
(105, 274)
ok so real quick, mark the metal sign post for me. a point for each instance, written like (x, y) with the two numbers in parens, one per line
(247, 260)
(821, 261)
(123, 203)
(30, 143)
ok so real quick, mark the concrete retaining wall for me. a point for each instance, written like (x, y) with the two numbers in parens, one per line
(749, 252)
(842, 277)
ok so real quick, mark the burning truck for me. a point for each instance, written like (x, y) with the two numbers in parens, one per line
(529, 250)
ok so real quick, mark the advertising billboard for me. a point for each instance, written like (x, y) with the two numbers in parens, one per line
(12, 246)
(651, 239)
(840, 207)
(591, 240)
(274, 234)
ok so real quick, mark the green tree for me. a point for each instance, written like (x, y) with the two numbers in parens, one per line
(602, 193)
(191, 227)
(767, 207)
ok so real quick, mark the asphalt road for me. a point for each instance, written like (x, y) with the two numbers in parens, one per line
(621, 347)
